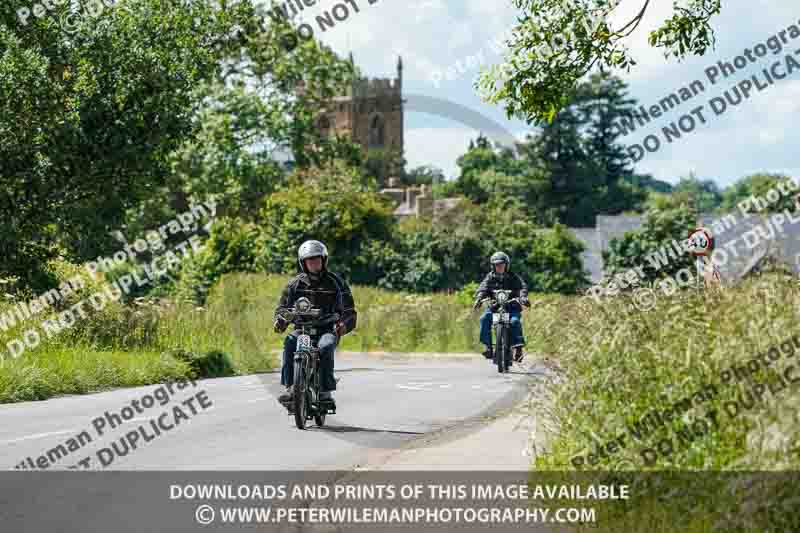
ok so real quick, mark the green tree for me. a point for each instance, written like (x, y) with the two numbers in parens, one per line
(383, 163)
(650, 246)
(556, 42)
(579, 154)
(758, 185)
(335, 204)
(699, 196)
(480, 157)
(424, 175)
(601, 101)
(87, 120)
(647, 183)
(259, 108)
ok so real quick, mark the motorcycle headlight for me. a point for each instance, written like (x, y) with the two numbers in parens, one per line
(501, 297)
(303, 305)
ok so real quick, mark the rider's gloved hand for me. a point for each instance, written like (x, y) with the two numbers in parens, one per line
(280, 325)
(339, 328)
(524, 301)
(476, 305)
(495, 308)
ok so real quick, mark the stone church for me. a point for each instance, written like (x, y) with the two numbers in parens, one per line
(370, 113)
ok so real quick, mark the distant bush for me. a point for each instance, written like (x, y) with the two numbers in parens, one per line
(466, 296)
(635, 248)
(233, 246)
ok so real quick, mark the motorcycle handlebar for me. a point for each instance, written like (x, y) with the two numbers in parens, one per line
(507, 301)
(295, 317)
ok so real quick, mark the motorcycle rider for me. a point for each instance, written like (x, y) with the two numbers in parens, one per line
(500, 278)
(327, 291)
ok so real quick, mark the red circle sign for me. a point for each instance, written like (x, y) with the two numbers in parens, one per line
(701, 242)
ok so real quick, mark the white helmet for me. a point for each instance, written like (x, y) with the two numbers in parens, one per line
(500, 257)
(312, 249)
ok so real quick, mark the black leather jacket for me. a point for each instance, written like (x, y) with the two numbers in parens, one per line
(329, 292)
(507, 281)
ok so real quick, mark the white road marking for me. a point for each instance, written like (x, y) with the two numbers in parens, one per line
(40, 436)
(409, 388)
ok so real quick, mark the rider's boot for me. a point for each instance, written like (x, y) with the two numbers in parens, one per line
(488, 353)
(326, 397)
(286, 396)
(518, 355)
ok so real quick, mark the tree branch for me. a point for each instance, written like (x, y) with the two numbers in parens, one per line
(637, 19)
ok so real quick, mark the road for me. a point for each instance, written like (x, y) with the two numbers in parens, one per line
(385, 404)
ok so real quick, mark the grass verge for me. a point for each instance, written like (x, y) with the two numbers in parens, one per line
(621, 365)
(145, 342)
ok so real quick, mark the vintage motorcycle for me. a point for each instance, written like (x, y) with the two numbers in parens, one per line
(306, 404)
(501, 323)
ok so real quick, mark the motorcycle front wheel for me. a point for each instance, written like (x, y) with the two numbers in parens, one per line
(499, 353)
(507, 348)
(300, 404)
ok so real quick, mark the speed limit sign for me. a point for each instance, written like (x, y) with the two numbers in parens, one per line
(701, 242)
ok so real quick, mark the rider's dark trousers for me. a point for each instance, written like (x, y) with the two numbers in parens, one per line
(516, 328)
(327, 347)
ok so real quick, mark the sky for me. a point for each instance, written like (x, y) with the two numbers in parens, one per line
(434, 35)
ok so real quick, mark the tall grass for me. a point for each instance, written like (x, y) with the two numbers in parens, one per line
(145, 342)
(620, 364)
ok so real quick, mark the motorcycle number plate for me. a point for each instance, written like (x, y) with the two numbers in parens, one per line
(497, 317)
(303, 342)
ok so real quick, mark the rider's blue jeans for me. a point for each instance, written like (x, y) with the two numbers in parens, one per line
(516, 328)
(327, 347)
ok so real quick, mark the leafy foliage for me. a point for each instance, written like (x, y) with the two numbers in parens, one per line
(125, 122)
(336, 205)
(556, 42)
(89, 119)
(700, 196)
(569, 171)
(758, 185)
(660, 229)
(424, 175)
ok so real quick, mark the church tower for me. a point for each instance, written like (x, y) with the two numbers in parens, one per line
(370, 113)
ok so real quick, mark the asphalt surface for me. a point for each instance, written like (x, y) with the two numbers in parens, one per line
(384, 404)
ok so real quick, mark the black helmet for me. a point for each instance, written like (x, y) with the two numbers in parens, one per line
(312, 249)
(500, 257)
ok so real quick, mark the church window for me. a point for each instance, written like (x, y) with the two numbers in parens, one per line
(376, 131)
